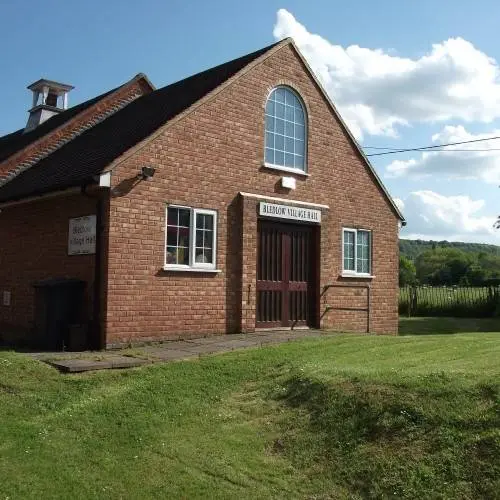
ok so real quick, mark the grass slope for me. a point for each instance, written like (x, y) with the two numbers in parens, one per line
(347, 416)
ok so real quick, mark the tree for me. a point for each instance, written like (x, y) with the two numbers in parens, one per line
(407, 272)
(443, 266)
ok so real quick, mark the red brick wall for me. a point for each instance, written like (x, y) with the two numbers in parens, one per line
(34, 246)
(203, 161)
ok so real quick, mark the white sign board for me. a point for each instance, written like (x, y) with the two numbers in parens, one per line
(81, 235)
(288, 212)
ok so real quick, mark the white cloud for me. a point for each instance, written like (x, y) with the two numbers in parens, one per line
(467, 163)
(377, 92)
(434, 216)
(399, 203)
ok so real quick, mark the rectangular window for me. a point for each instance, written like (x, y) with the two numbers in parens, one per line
(356, 247)
(191, 236)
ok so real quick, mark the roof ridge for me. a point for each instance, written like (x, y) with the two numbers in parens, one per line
(250, 56)
(60, 143)
(16, 141)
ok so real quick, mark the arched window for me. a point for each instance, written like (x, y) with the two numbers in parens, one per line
(285, 130)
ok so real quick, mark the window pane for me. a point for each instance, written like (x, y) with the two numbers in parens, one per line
(299, 116)
(299, 162)
(269, 123)
(289, 129)
(204, 241)
(363, 237)
(269, 140)
(204, 221)
(280, 111)
(279, 142)
(183, 256)
(289, 145)
(209, 256)
(171, 236)
(270, 107)
(364, 267)
(349, 251)
(299, 132)
(299, 148)
(200, 257)
(172, 216)
(200, 221)
(183, 240)
(289, 113)
(269, 155)
(289, 160)
(207, 239)
(199, 238)
(279, 158)
(178, 235)
(171, 255)
(184, 217)
(363, 252)
(280, 95)
(209, 221)
(203, 255)
(280, 126)
(290, 98)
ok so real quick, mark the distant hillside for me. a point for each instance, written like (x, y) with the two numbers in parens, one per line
(411, 248)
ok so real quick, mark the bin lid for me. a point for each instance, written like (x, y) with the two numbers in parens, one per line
(59, 282)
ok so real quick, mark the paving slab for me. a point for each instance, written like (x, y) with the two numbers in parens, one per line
(203, 349)
(127, 362)
(171, 350)
(175, 345)
(79, 365)
(206, 340)
(236, 344)
(169, 354)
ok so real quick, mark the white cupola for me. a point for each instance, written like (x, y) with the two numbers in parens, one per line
(49, 99)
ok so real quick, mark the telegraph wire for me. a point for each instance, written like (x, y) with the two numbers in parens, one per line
(430, 148)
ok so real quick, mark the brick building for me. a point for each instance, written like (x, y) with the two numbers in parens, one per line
(232, 200)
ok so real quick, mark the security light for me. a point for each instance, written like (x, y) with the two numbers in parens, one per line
(147, 173)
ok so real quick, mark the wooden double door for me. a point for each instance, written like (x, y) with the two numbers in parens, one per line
(287, 272)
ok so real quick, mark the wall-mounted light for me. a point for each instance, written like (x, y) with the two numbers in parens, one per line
(146, 173)
(288, 182)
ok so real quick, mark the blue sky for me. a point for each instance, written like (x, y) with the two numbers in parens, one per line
(403, 74)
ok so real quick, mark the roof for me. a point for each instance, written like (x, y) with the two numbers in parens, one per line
(14, 142)
(87, 155)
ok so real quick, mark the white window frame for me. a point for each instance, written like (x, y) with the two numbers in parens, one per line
(193, 265)
(350, 272)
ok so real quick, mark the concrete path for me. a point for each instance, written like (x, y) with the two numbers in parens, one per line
(168, 351)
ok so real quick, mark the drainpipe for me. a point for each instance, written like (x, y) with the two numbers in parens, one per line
(97, 339)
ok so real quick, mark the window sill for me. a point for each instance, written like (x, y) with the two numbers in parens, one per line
(357, 275)
(192, 270)
(288, 170)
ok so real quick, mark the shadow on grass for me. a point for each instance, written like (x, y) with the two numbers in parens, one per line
(352, 431)
(437, 325)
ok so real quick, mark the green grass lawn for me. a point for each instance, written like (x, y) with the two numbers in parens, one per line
(338, 417)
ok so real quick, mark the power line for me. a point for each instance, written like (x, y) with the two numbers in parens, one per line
(462, 150)
(376, 147)
(447, 150)
(436, 146)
